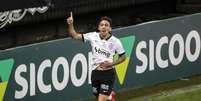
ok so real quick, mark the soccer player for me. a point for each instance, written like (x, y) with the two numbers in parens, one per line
(104, 47)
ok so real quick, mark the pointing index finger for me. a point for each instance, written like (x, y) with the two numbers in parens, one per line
(71, 14)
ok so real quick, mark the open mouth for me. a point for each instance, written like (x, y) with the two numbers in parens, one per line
(103, 31)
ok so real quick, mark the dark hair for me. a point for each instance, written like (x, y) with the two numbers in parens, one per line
(105, 18)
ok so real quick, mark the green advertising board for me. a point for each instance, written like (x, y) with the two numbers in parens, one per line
(60, 70)
(163, 50)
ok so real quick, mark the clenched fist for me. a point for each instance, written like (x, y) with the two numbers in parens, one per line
(70, 19)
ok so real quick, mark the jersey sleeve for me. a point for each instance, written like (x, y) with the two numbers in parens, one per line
(120, 49)
(87, 37)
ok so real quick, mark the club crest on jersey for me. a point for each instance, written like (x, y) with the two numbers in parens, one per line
(110, 46)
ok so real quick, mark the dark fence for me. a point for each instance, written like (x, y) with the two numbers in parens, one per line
(83, 5)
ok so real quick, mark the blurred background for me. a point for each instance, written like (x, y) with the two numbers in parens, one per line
(25, 22)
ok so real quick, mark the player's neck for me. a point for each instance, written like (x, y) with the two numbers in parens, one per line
(106, 37)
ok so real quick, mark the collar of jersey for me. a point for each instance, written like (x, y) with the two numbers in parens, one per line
(106, 38)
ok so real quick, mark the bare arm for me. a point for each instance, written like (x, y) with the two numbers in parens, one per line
(71, 29)
(119, 60)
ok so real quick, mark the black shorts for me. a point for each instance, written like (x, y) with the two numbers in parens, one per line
(102, 81)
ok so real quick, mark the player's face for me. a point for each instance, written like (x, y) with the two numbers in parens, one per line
(104, 27)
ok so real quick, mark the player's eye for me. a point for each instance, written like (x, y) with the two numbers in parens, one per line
(106, 25)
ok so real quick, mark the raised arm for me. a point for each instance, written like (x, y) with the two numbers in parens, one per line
(71, 29)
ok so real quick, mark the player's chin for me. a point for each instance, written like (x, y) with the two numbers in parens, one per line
(104, 33)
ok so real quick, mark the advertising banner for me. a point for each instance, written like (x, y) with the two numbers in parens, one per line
(60, 70)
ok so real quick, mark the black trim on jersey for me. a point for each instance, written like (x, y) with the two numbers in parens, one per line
(82, 38)
(109, 37)
(122, 54)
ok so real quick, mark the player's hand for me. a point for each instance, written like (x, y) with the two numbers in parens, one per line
(70, 19)
(105, 65)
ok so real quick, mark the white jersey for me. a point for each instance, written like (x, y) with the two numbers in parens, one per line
(103, 50)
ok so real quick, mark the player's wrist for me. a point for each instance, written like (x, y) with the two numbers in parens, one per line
(113, 63)
(70, 24)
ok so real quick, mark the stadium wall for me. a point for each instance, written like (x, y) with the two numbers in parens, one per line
(156, 51)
